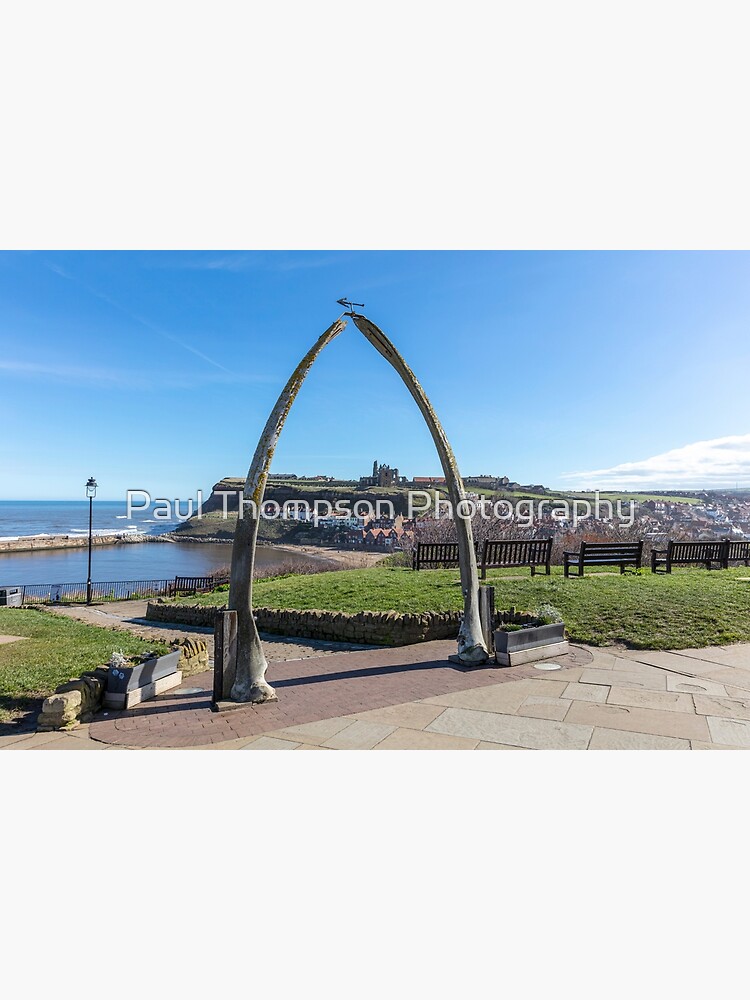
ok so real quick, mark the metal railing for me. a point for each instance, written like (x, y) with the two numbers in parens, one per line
(116, 590)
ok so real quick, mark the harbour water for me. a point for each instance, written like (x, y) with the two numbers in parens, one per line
(70, 517)
(129, 561)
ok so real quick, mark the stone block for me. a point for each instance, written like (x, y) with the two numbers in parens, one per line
(62, 702)
(517, 657)
(127, 699)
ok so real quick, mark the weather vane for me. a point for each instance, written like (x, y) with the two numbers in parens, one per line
(349, 305)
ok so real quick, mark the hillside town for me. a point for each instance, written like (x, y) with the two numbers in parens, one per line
(687, 515)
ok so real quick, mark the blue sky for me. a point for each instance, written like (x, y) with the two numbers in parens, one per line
(157, 370)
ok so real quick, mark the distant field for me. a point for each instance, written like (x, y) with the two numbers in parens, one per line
(571, 495)
(646, 611)
(640, 497)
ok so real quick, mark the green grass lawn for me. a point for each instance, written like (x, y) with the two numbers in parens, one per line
(56, 649)
(692, 607)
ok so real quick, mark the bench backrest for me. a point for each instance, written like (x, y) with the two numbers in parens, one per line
(435, 553)
(696, 551)
(628, 550)
(195, 583)
(739, 550)
(516, 551)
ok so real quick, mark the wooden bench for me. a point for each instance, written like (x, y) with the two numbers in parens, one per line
(531, 552)
(495, 553)
(739, 552)
(620, 554)
(685, 553)
(431, 554)
(194, 584)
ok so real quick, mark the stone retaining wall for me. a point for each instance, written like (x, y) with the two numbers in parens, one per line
(388, 628)
(193, 655)
(73, 702)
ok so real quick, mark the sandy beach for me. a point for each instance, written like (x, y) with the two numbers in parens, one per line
(351, 558)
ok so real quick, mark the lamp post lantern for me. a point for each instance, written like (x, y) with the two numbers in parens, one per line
(90, 493)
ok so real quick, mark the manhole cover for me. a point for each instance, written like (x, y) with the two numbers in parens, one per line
(548, 666)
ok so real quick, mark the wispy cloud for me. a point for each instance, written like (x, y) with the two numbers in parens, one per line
(147, 324)
(255, 260)
(720, 462)
(132, 380)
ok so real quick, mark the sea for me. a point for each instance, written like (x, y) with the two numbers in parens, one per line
(146, 561)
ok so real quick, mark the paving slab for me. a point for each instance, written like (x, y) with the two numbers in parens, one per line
(737, 677)
(31, 741)
(736, 655)
(537, 734)
(568, 674)
(679, 665)
(725, 708)
(314, 733)
(668, 701)
(613, 739)
(13, 738)
(412, 739)
(713, 659)
(499, 746)
(586, 692)
(736, 693)
(667, 659)
(225, 745)
(270, 743)
(695, 685)
(543, 708)
(697, 745)
(360, 736)
(730, 732)
(637, 666)
(651, 679)
(505, 698)
(66, 742)
(640, 720)
(412, 716)
(603, 658)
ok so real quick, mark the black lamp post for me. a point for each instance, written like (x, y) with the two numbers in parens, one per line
(90, 493)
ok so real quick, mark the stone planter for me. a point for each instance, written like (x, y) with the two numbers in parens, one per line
(535, 642)
(128, 686)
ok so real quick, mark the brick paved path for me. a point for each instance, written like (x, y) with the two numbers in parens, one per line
(309, 690)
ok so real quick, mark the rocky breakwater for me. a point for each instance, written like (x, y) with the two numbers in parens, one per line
(34, 543)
